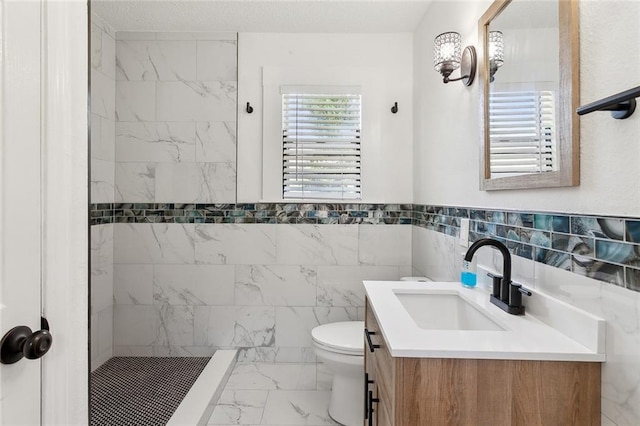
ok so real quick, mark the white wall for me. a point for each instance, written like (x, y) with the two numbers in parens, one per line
(447, 135)
(382, 58)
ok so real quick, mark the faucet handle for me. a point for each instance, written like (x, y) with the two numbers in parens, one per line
(497, 281)
(523, 290)
(515, 294)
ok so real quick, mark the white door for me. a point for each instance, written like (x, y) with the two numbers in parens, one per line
(20, 204)
(43, 202)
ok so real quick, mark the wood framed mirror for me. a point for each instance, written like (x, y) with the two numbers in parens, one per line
(529, 78)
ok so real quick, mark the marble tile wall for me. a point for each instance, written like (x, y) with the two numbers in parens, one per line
(103, 88)
(103, 110)
(101, 294)
(189, 288)
(175, 109)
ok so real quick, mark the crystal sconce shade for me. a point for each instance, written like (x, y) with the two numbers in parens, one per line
(447, 58)
(446, 53)
(496, 52)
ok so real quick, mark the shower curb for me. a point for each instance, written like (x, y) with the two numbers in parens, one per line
(196, 407)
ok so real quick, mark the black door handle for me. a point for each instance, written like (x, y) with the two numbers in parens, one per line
(20, 342)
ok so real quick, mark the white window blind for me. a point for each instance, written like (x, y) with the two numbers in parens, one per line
(321, 145)
(522, 132)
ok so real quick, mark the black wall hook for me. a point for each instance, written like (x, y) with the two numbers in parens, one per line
(394, 108)
(249, 108)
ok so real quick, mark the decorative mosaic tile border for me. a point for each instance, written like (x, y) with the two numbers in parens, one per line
(251, 213)
(600, 247)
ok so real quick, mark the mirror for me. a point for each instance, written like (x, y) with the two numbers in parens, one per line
(529, 93)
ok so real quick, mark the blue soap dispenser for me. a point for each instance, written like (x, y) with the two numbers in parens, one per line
(468, 273)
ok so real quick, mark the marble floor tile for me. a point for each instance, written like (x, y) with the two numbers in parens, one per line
(297, 408)
(274, 394)
(239, 407)
(265, 376)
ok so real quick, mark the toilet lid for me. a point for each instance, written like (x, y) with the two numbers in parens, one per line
(344, 337)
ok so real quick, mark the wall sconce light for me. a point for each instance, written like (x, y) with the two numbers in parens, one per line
(447, 58)
(496, 52)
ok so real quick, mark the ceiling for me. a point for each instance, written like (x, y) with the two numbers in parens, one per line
(292, 16)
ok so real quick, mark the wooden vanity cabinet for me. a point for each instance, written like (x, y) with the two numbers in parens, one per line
(466, 392)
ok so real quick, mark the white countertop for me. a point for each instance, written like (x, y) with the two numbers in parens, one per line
(524, 337)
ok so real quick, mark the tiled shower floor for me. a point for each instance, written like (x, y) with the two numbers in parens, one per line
(141, 391)
(274, 394)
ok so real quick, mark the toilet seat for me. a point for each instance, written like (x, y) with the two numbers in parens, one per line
(340, 337)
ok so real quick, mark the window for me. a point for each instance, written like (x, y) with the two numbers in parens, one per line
(321, 156)
(522, 132)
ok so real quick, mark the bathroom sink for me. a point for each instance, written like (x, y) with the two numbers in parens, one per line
(447, 320)
(444, 311)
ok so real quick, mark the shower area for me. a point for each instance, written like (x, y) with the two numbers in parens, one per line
(191, 270)
(163, 137)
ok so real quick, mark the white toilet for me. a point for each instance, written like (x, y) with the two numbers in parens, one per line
(340, 345)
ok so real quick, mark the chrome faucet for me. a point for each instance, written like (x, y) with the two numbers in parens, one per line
(506, 294)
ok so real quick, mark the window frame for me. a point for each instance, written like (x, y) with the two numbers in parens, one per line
(344, 156)
(373, 104)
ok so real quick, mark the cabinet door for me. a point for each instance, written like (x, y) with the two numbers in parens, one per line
(370, 374)
(377, 412)
(383, 416)
(379, 367)
(369, 386)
